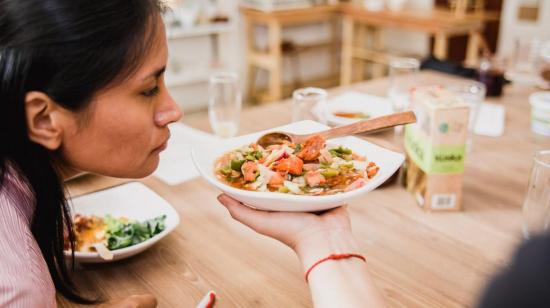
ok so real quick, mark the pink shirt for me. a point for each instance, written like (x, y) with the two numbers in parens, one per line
(24, 277)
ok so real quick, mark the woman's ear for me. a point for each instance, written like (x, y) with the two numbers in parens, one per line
(45, 120)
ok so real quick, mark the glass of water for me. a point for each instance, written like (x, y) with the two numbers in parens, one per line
(403, 78)
(224, 104)
(308, 104)
(536, 207)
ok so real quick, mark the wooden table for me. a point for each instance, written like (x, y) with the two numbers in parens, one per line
(271, 59)
(417, 259)
(359, 23)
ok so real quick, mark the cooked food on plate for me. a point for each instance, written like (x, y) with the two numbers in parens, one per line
(352, 115)
(312, 168)
(114, 233)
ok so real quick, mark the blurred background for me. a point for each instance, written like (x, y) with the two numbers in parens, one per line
(299, 42)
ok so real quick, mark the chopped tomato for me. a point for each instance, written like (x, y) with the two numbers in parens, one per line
(292, 165)
(372, 171)
(314, 178)
(311, 148)
(250, 170)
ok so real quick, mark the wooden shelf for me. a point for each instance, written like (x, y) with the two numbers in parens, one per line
(199, 30)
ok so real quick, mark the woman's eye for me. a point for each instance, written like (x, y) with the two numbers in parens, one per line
(152, 92)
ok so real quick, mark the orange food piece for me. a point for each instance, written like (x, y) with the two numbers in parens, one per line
(249, 170)
(311, 148)
(276, 179)
(292, 165)
(372, 170)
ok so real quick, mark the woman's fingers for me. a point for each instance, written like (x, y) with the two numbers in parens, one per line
(243, 213)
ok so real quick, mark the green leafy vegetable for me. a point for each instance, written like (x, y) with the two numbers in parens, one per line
(236, 164)
(330, 172)
(226, 170)
(121, 234)
(341, 152)
(253, 155)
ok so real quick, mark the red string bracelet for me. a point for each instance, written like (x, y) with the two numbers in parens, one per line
(334, 257)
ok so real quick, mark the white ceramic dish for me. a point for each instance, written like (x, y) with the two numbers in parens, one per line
(374, 106)
(205, 155)
(133, 200)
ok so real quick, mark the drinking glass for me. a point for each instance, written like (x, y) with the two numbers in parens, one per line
(537, 202)
(525, 54)
(308, 104)
(224, 104)
(403, 78)
(473, 93)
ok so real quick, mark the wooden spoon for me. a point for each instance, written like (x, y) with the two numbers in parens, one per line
(103, 251)
(364, 126)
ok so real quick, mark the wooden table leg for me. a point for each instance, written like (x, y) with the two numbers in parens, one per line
(360, 37)
(251, 82)
(441, 46)
(275, 70)
(472, 51)
(250, 49)
(347, 51)
(377, 45)
(334, 69)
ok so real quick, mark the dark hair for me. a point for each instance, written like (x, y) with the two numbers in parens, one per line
(69, 50)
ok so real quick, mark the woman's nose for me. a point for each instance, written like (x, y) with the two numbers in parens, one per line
(167, 113)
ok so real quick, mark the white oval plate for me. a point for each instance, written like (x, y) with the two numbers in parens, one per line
(134, 201)
(205, 155)
(374, 106)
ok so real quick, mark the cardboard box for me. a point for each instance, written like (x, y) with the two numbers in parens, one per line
(436, 148)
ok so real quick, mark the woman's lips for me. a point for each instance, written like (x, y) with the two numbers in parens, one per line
(163, 146)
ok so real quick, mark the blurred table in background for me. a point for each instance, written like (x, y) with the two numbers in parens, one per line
(362, 40)
(418, 259)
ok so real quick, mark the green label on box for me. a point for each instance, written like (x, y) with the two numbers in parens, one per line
(431, 158)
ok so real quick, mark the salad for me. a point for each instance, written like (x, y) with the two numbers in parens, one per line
(312, 168)
(114, 233)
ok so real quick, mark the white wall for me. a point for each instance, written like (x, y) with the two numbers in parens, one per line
(511, 28)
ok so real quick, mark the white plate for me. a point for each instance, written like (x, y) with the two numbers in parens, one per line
(205, 155)
(133, 200)
(374, 106)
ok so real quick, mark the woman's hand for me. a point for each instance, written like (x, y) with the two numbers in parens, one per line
(311, 236)
(134, 301)
(346, 283)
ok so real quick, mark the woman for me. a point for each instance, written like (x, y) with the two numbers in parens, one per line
(82, 90)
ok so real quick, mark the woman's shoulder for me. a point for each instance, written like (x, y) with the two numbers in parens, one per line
(24, 276)
(15, 194)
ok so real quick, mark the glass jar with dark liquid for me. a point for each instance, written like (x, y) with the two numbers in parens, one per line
(491, 74)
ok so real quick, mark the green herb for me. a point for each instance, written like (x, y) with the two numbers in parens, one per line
(346, 165)
(236, 164)
(298, 148)
(122, 234)
(253, 155)
(330, 172)
(226, 170)
(341, 152)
